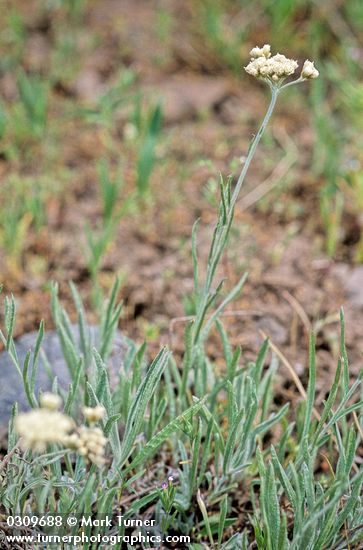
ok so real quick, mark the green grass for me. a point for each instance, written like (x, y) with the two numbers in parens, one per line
(216, 442)
(25, 209)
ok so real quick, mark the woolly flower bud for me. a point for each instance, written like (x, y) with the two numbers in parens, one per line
(265, 51)
(309, 71)
(41, 427)
(92, 445)
(94, 414)
(272, 69)
(72, 441)
(50, 401)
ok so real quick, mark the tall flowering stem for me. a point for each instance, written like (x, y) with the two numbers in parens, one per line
(224, 224)
(272, 70)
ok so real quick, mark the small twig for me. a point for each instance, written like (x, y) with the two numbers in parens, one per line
(352, 532)
(329, 319)
(296, 306)
(357, 423)
(291, 370)
(294, 333)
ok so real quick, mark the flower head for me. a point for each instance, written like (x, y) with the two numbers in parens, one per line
(88, 442)
(50, 401)
(94, 414)
(72, 441)
(265, 51)
(309, 71)
(275, 69)
(41, 427)
(272, 69)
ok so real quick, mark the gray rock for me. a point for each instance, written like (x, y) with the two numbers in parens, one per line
(354, 285)
(352, 282)
(11, 385)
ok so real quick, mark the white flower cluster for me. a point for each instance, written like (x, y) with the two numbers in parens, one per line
(275, 69)
(90, 443)
(50, 401)
(41, 427)
(44, 426)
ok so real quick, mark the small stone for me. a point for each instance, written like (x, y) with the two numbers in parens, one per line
(353, 283)
(351, 279)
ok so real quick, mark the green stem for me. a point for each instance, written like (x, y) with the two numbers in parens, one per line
(221, 237)
(297, 81)
(253, 147)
